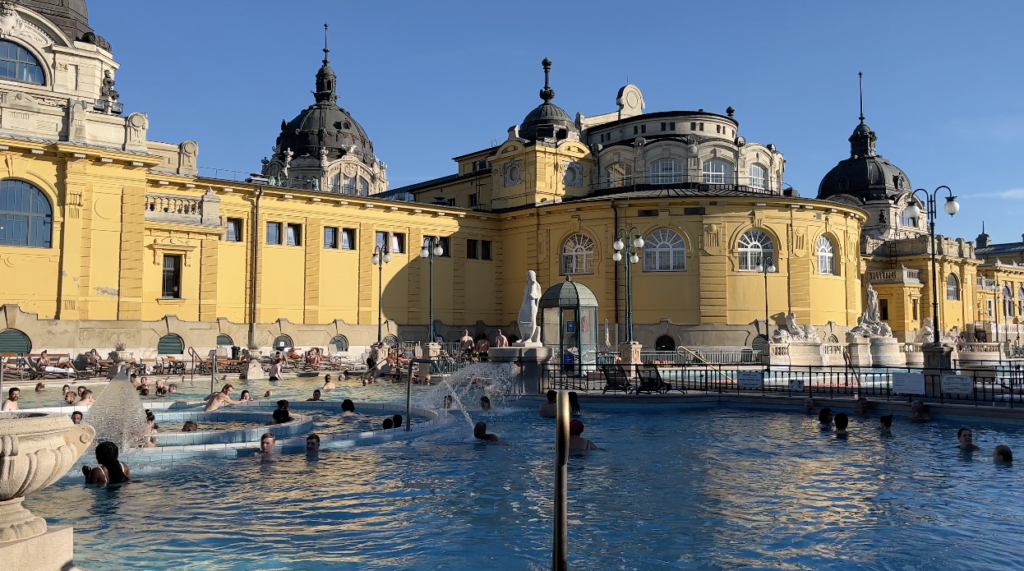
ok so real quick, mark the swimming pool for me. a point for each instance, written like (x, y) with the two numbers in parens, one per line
(690, 489)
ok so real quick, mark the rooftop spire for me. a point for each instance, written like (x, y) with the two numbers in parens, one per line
(327, 50)
(860, 74)
(547, 94)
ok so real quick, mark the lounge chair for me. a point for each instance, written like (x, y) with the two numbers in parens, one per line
(650, 380)
(615, 379)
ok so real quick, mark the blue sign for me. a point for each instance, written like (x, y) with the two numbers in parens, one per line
(568, 358)
(570, 327)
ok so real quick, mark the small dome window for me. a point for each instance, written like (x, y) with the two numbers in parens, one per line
(18, 64)
(347, 125)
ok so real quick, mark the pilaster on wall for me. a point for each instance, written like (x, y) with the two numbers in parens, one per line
(458, 254)
(85, 251)
(367, 298)
(208, 280)
(799, 268)
(71, 241)
(133, 201)
(314, 246)
(419, 284)
(713, 266)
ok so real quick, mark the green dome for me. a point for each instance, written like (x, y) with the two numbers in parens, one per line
(568, 294)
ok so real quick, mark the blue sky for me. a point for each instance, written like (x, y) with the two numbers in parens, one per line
(433, 80)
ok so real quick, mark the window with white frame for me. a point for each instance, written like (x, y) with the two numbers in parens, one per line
(578, 255)
(717, 171)
(952, 288)
(1020, 301)
(619, 174)
(907, 220)
(826, 256)
(666, 171)
(1007, 302)
(664, 251)
(758, 177)
(755, 245)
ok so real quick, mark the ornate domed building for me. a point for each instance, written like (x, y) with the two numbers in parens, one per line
(324, 148)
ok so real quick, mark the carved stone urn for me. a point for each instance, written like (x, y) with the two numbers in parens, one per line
(36, 449)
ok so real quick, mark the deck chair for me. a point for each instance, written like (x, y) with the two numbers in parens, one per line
(650, 380)
(615, 379)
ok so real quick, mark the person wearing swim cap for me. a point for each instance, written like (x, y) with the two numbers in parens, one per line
(577, 442)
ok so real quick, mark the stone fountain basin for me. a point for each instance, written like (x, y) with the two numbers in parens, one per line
(36, 449)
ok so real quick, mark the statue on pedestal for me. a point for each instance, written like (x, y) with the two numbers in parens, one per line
(528, 328)
(870, 323)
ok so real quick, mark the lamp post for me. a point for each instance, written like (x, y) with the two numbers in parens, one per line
(627, 245)
(380, 257)
(431, 249)
(997, 309)
(767, 266)
(913, 211)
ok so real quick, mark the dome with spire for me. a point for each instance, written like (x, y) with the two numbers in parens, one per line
(866, 174)
(548, 121)
(325, 125)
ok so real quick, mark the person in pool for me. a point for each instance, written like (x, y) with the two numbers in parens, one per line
(576, 441)
(69, 397)
(808, 405)
(348, 408)
(245, 396)
(446, 402)
(397, 419)
(886, 424)
(842, 421)
(316, 396)
(825, 419)
(966, 439)
(480, 433)
(65, 389)
(40, 387)
(267, 442)
(862, 406)
(12, 399)
(172, 388)
(1002, 453)
(550, 408)
(86, 399)
(281, 415)
(328, 383)
(485, 403)
(574, 404)
(388, 423)
(110, 470)
(190, 426)
(216, 400)
(918, 413)
(313, 444)
(76, 417)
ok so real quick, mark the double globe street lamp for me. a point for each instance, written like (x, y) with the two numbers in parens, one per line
(913, 211)
(627, 246)
(431, 249)
(380, 257)
(767, 266)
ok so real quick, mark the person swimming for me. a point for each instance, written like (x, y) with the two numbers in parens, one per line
(388, 423)
(328, 383)
(842, 421)
(574, 404)
(446, 402)
(281, 415)
(348, 408)
(885, 423)
(808, 405)
(577, 442)
(316, 396)
(76, 417)
(550, 408)
(110, 470)
(918, 412)
(1002, 453)
(397, 420)
(965, 436)
(245, 396)
(313, 444)
(267, 442)
(480, 433)
(825, 419)
(485, 403)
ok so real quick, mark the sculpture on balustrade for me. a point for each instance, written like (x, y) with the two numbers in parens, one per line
(870, 323)
(927, 333)
(792, 331)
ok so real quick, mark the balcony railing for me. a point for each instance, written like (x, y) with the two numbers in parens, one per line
(204, 210)
(680, 182)
(987, 283)
(903, 275)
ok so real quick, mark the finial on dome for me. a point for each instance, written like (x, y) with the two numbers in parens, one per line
(547, 94)
(860, 75)
(327, 50)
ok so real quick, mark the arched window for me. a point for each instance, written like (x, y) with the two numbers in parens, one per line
(282, 341)
(391, 341)
(665, 343)
(26, 218)
(758, 177)
(826, 256)
(760, 343)
(170, 344)
(619, 174)
(952, 288)
(664, 251)
(666, 171)
(906, 220)
(717, 171)
(1007, 302)
(223, 339)
(14, 341)
(1020, 301)
(578, 255)
(340, 342)
(364, 187)
(18, 64)
(754, 246)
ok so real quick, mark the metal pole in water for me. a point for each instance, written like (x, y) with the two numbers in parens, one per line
(408, 391)
(560, 550)
(213, 370)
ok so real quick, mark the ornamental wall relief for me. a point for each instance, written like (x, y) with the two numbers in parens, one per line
(572, 173)
(513, 172)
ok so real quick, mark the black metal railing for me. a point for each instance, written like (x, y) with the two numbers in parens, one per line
(996, 384)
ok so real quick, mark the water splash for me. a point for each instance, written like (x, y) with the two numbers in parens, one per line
(500, 382)
(118, 416)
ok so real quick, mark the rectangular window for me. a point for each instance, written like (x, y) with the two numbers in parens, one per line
(647, 213)
(431, 241)
(274, 233)
(636, 130)
(348, 239)
(473, 200)
(693, 126)
(172, 277)
(664, 126)
(398, 243)
(643, 128)
(694, 211)
(485, 249)
(294, 235)
(672, 126)
(364, 187)
(702, 126)
(472, 251)
(330, 237)
(883, 309)
(381, 240)
(913, 306)
(234, 230)
(348, 185)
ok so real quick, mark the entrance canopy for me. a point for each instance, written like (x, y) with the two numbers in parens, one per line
(569, 322)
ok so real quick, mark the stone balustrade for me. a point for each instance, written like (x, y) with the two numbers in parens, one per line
(895, 276)
(180, 209)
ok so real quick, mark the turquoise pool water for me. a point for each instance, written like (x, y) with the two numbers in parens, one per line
(699, 489)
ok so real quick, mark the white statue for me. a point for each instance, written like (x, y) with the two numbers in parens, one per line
(870, 324)
(872, 314)
(607, 338)
(528, 329)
